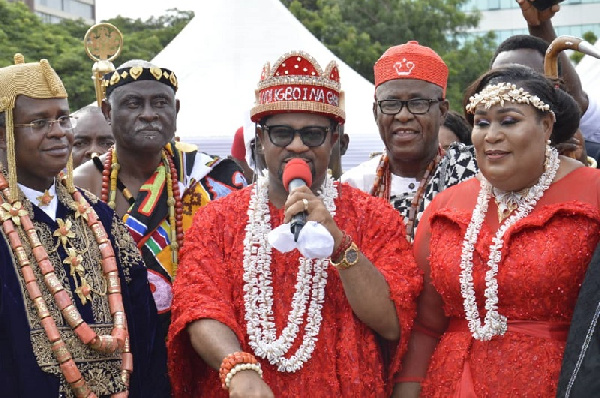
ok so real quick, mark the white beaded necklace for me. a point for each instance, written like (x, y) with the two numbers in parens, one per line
(494, 323)
(258, 288)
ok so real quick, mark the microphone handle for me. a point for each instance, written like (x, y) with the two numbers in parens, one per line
(298, 221)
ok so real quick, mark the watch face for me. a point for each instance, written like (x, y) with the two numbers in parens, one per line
(351, 256)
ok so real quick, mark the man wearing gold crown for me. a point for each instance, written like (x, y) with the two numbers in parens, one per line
(153, 182)
(76, 313)
(254, 318)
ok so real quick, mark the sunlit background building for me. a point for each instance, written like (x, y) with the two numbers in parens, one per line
(53, 11)
(503, 17)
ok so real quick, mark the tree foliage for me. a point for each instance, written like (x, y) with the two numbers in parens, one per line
(359, 31)
(589, 37)
(62, 44)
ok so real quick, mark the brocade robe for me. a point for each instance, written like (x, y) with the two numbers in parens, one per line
(27, 366)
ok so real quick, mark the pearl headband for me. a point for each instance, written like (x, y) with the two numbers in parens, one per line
(500, 93)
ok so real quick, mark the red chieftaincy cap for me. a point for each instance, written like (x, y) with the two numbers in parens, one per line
(296, 83)
(238, 147)
(411, 61)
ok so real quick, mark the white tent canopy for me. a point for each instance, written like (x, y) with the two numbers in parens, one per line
(589, 73)
(218, 58)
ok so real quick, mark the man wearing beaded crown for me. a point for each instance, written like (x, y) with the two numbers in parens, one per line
(155, 183)
(276, 323)
(76, 311)
(409, 108)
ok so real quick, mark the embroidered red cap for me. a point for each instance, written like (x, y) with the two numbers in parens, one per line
(411, 61)
(296, 83)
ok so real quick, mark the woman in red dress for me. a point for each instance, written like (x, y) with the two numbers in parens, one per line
(504, 254)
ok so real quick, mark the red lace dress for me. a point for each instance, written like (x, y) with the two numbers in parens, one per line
(544, 259)
(347, 361)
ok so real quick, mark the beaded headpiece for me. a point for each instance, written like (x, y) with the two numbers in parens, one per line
(296, 83)
(35, 80)
(123, 76)
(411, 61)
(500, 93)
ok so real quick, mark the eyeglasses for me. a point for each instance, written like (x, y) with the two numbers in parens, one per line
(43, 126)
(311, 136)
(416, 106)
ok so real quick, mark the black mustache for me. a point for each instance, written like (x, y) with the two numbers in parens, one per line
(296, 157)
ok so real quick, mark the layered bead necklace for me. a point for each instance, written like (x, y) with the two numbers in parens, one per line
(14, 216)
(110, 180)
(494, 323)
(258, 287)
(383, 182)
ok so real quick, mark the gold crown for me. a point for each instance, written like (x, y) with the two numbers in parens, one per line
(35, 80)
(296, 83)
(500, 93)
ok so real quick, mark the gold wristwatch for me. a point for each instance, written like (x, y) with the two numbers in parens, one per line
(349, 259)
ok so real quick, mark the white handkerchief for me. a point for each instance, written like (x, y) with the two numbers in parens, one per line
(314, 240)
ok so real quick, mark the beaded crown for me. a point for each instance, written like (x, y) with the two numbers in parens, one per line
(296, 83)
(35, 80)
(411, 61)
(123, 76)
(500, 93)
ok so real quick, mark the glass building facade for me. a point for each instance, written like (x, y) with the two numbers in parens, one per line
(53, 11)
(504, 18)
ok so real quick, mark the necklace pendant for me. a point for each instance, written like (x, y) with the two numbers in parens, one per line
(505, 210)
(45, 199)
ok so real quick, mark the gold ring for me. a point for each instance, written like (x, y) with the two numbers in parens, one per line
(305, 204)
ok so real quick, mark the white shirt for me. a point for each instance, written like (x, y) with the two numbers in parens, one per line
(590, 121)
(363, 177)
(33, 195)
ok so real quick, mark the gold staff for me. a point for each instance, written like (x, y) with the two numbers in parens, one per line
(103, 43)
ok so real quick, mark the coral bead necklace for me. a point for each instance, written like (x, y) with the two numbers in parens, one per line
(383, 182)
(14, 216)
(110, 182)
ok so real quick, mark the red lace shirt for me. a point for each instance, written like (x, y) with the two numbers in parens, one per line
(544, 259)
(347, 360)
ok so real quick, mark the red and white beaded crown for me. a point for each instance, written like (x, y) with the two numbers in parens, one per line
(296, 83)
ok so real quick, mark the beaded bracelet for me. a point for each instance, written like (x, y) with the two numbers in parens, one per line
(346, 242)
(232, 360)
(240, 367)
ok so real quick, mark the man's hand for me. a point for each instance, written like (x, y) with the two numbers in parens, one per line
(248, 384)
(535, 17)
(574, 148)
(315, 208)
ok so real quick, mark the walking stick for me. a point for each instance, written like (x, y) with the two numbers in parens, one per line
(565, 43)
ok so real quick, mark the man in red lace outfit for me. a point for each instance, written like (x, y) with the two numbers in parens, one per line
(276, 323)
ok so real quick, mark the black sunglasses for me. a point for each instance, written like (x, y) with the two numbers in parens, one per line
(282, 135)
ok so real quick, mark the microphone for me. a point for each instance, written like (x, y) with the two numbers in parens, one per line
(296, 173)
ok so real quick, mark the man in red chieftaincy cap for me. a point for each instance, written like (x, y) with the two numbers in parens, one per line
(409, 108)
(261, 311)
